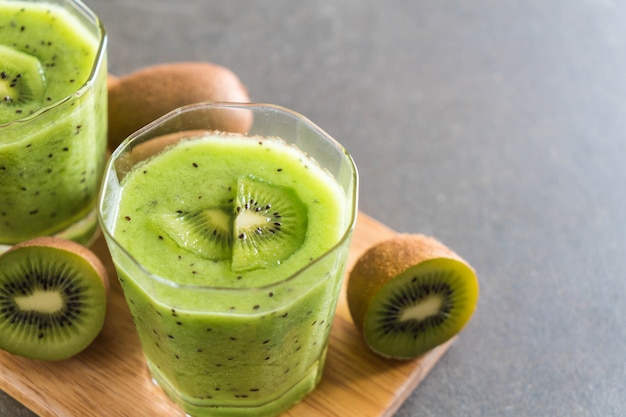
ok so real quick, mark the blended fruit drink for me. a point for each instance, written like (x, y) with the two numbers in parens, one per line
(52, 119)
(231, 251)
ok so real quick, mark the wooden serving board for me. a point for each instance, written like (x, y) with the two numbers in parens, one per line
(109, 379)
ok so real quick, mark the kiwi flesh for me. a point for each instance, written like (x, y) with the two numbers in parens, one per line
(270, 224)
(409, 294)
(260, 226)
(207, 232)
(22, 84)
(53, 296)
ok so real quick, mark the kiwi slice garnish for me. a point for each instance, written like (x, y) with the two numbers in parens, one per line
(53, 296)
(270, 224)
(262, 225)
(22, 83)
(410, 294)
(207, 232)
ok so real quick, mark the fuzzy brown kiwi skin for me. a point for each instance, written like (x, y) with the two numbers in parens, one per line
(383, 262)
(111, 80)
(70, 246)
(145, 95)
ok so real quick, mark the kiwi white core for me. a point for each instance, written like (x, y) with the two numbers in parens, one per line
(216, 216)
(41, 301)
(247, 220)
(427, 307)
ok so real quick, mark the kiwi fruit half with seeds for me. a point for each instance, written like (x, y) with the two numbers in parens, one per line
(409, 294)
(270, 224)
(22, 84)
(261, 225)
(53, 296)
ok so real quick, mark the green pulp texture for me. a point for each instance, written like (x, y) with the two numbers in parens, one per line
(51, 162)
(256, 345)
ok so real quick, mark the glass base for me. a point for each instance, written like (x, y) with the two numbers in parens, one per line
(85, 231)
(272, 408)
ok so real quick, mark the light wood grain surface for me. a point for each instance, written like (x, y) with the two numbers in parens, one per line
(109, 379)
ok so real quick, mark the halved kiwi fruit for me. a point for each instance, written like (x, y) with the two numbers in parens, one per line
(53, 296)
(22, 83)
(410, 294)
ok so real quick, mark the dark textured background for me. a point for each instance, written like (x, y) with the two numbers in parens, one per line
(497, 126)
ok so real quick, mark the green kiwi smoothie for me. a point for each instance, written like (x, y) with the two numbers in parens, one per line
(52, 119)
(240, 238)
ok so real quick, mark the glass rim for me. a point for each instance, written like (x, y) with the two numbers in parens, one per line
(124, 145)
(86, 85)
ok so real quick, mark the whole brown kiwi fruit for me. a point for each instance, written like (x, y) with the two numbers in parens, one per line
(409, 294)
(143, 96)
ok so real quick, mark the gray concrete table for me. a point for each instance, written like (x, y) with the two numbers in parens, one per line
(498, 126)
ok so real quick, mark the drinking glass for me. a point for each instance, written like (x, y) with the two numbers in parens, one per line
(220, 351)
(52, 157)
